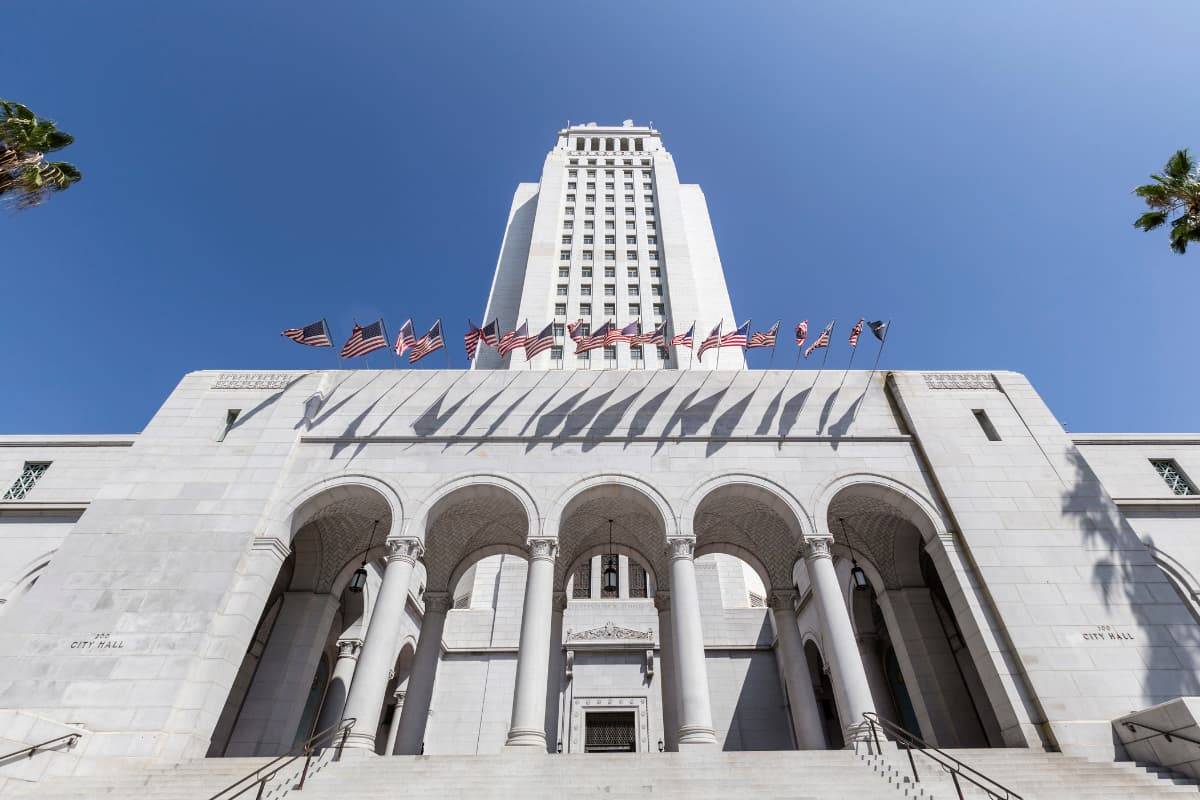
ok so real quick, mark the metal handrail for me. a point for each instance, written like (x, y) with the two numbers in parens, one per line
(956, 768)
(1131, 725)
(274, 766)
(34, 748)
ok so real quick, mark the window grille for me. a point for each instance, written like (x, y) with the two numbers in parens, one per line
(463, 601)
(582, 589)
(610, 732)
(637, 581)
(757, 600)
(1176, 481)
(31, 474)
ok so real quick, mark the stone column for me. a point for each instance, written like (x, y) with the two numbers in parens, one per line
(339, 685)
(594, 590)
(806, 717)
(666, 660)
(411, 735)
(528, 726)
(695, 710)
(401, 691)
(841, 649)
(374, 668)
(623, 577)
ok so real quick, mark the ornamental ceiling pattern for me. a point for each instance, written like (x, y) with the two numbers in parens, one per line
(879, 531)
(726, 517)
(336, 534)
(586, 527)
(477, 519)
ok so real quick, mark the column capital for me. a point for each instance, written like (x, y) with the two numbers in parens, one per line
(349, 648)
(542, 548)
(681, 547)
(817, 548)
(438, 602)
(662, 601)
(399, 696)
(408, 550)
(782, 599)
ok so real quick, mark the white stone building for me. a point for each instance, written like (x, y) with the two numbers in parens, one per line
(618, 559)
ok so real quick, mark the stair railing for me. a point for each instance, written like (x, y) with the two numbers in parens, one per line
(957, 770)
(1132, 727)
(262, 776)
(33, 749)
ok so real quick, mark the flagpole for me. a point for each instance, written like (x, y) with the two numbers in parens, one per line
(825, 357)
(717, 364)
(691, 347)
(846, 371)
(882, 342)
(774, 344)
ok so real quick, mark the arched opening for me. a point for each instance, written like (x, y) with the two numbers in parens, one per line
(610, 680)
(609, 145)
(822, 687)
(624, 145)
(579, 144)
(595, 143)
(475, 559)
(921, 671)
(746, 545)
(281, 691)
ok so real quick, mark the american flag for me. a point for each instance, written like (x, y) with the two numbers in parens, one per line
(713, 340)
(427, 343)
(576, 330)
(822, 340)
(737, 338)
(405, 338)
(471, 340)
(540, 343)
(767, 339)
(801, 333)
(315, 335)
(684, 339)
(586, 343)
(365, 340)
(658, 336)
(513, 339)
(855, 332)
(626, 334)
(490, 334)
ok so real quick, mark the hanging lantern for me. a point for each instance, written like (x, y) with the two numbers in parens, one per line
(611, 578)
(859, 577)
(359, 579)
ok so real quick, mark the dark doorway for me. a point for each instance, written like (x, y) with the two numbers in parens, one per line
(610, 732)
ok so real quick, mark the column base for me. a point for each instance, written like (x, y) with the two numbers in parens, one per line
(356, 740)
(529, 740)
(691, 736)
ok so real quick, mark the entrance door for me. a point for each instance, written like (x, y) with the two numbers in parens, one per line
(610, 732)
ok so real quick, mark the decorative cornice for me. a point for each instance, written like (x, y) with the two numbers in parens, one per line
(609, 633)
(542, 549)
(254, 380)
(407, 550)
(438, 602)
(959, 380)
(681, 547)
(816, 548)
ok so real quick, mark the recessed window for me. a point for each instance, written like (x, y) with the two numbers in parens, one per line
(570, 198)
(609, 225)
(564, 272)
(585, 290)
(589, 225)
(631, 255)
(1176, 481)
(610, 309)
(633, 291)
(588, 239)
(659, 310)
(591, 185)
(609, 210)
(572, 172)
(630, 240)
(583, 358)
(610, 290)
(655, 272)
(651, 240)
(610, 353)
(609, 185)
(628, 198)
(569, 225)
(610, 255)
(985, 423)
(649, 211)
(610, 239)
(556, 353)
(587, 255)
(635, 352)
(560, 309)
(656, 290)
(635, 309)
(566, 240)
(585, 309)
(592, 161)
(561, 290)
(591, 172)
(31, 473)
(652, 255)
(589, 210)
(632, 272)
(608, 198)
(591, 198)
(559, 330)
(569, 211)
(662, 354)
(564, 255)
(587, 272)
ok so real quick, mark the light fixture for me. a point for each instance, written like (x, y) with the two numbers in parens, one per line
(359, 579)
(611, 578)
(861, 584)
(661, 747)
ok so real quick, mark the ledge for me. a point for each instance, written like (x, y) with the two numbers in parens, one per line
(124, 440)
(1145, 439)
(22, 508)
(485, 439)
(1188, 501)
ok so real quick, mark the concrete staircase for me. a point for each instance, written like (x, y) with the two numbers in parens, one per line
(819, 775)
(1037, 775)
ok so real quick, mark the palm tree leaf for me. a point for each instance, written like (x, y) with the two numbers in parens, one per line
(1180, 165)
(1150, 220)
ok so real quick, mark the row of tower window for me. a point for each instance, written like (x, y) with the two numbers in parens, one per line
(609, 173)
(611, 225)
(608, 162)
(609, 239)
(609, 255)
(610, 354)
(610, 272)
(610, 290)
(610, 310)
(609, 211)
(608, 144)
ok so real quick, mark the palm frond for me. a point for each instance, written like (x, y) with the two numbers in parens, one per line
(1180, 165)
(1150, 220)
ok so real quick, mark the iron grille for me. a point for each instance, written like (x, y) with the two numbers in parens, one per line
(1174, 478)
(30, 475)
(637, 581)
(582, 589)
(610, 732)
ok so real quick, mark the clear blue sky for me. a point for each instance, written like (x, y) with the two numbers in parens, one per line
(963, 168)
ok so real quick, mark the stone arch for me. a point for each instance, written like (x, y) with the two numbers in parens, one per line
(643, 522)
(471, 517)
(751, 517)
(316, 499)
(930, 616)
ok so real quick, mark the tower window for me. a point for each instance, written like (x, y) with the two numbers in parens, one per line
(556, 353)
(588, 239)
(985, 423)
(610, 353)
(579, 145)
(610, 290)
(1170, 472)
(633, 291)
(561, 290)
(610, 255)
(566, 240)
(585, 290)
(587, 272)
(564, 255)
(587, 255)
(564, 272)
(635, 352)
(560, 309)
(559, 330)
(631, 255)
(585, 309)
(610, 309)
(630, 240)
(31, 473)
(652, 255)
(662, 354)
(635, 309)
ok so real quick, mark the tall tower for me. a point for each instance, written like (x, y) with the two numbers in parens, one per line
(609, 233)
